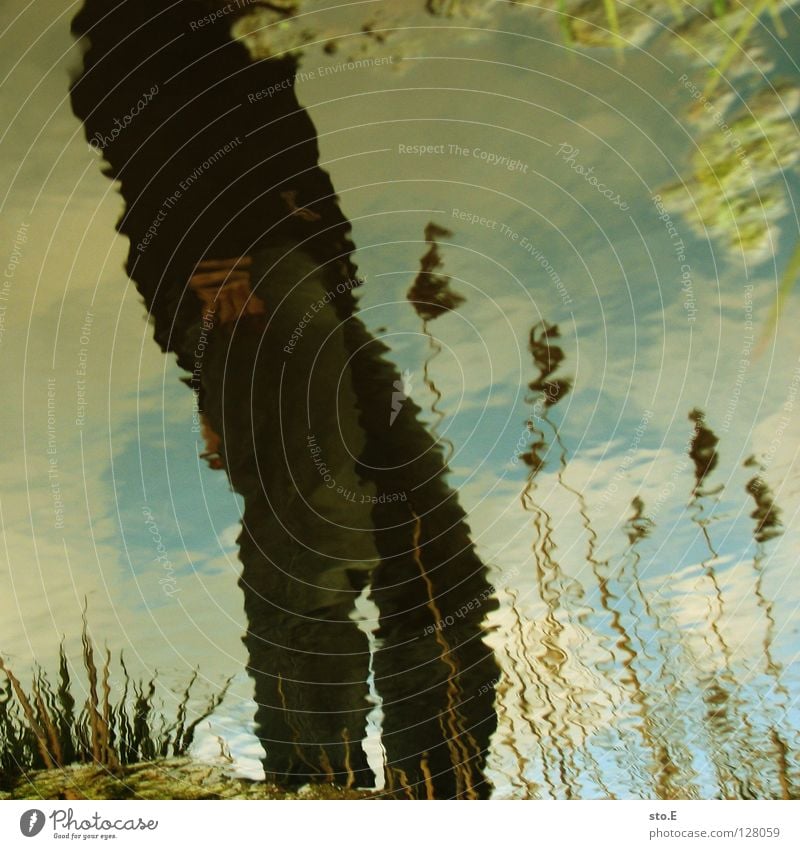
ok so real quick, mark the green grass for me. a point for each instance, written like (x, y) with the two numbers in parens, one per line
(45, 726)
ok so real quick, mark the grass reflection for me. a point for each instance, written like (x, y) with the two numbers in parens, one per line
(47, 727)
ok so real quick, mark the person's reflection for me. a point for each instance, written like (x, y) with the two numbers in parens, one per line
(242, 255)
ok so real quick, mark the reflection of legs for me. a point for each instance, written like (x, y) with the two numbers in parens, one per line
(309, 662)
(433, 671)
(436, 683)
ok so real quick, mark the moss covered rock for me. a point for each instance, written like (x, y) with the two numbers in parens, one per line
(177, 778)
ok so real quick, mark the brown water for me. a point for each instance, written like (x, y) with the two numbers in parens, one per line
(618, 415)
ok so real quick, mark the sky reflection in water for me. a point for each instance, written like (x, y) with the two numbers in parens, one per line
(641, 550)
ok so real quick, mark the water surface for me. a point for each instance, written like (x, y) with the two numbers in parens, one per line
(619, 422)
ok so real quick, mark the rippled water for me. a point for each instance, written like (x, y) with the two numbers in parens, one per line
(594, 596)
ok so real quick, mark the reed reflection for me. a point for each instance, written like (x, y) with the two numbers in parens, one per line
(619, 698)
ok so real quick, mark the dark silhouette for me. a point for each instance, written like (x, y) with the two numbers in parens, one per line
(242, 256)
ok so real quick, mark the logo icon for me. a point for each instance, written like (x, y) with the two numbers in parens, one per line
(31, 822)
(402, 391)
